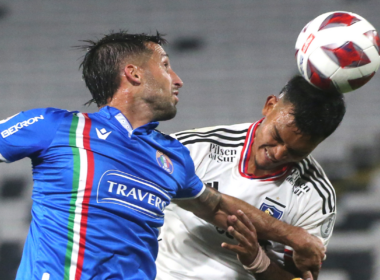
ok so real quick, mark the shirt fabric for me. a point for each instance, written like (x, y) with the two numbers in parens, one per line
(100, 188)
(300, 195)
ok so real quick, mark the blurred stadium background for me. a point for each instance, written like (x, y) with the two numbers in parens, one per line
(231, 55)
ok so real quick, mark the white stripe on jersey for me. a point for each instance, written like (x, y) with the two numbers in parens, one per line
(80, 195)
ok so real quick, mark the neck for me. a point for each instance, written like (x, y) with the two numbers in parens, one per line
(137, 112)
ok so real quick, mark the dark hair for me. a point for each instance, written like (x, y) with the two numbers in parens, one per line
(317, 113)
(105, 57)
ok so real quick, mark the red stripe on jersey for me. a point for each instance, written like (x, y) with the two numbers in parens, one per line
(288, 253)
(246, 154)
(86, 197)
(247, 142)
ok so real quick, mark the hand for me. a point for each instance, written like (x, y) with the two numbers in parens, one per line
(308, 254)
(241, 228)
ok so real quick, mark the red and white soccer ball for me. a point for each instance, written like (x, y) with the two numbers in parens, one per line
(338, 50)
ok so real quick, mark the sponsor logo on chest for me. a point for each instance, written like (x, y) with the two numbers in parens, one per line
(220, 154)
(133, 192)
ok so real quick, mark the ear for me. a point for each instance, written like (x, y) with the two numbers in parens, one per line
(132, 74)
(269, 104)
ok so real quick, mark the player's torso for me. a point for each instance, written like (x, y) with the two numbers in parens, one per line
(99, 197)
(198, 241)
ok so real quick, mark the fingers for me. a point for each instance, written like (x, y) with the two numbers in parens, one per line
(243, 226)
(234, 248)
(244, 232)
(246, 221)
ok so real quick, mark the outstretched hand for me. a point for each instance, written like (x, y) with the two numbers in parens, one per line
(244, 232)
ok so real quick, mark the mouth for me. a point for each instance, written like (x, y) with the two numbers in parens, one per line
(175, 93)
(272, 159)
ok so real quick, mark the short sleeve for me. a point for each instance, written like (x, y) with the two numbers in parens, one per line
(317, 223)
(193, 186)
(198, 150)
(28, 133)
(316, 209)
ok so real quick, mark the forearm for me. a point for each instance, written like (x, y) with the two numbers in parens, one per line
(267, 227)
(214, 207)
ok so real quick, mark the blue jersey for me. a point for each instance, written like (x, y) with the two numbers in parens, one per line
(100, 189)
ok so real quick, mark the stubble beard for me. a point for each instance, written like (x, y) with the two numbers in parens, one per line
(162, 110)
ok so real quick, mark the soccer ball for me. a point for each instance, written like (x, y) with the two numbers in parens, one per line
(338, 51)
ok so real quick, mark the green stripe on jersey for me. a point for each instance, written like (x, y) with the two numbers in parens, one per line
(76, 172)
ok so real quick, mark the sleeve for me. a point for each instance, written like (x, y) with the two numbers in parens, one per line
(193, 186)
(28, 133)
(316, 209)
(198, 147)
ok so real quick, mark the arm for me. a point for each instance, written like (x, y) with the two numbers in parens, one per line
(215, 207)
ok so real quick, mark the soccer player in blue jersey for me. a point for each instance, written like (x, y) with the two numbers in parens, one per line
(102, 180)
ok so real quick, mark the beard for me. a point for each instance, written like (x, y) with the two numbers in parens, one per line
(164, 115)
(162, 109)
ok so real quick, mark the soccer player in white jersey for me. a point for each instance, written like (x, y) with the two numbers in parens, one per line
(267, 164)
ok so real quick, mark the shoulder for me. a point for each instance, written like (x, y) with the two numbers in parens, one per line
(39, 116)
(222, 135)
(308, 177)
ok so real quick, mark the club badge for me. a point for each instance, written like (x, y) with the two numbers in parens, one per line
(271, 210)
(164, 162)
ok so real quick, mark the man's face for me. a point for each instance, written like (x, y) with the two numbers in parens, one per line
(277, 140)
(161, 85)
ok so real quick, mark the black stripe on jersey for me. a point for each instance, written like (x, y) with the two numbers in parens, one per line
(215, 130)
(210, 135)
(214, 142)
(327, 186)
(320, 174)
(311, 177)
(307, 179)
(275, 202)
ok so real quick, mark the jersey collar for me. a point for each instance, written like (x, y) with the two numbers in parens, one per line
(246, 154)
(113, 113)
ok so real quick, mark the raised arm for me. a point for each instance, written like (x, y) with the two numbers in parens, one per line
(215, 208)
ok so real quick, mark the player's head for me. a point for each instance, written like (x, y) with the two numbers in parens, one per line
(136, 64)
(295, 123)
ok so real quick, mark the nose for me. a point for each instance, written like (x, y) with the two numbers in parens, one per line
(281, 152)
(176, 80)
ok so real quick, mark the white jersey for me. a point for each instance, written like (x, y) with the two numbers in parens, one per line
(300, 195)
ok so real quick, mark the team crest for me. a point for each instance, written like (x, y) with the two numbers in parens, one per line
(271, 210)
(164, 162)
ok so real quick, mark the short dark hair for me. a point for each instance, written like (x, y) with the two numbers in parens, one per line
(317, 113)
(105, 57)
